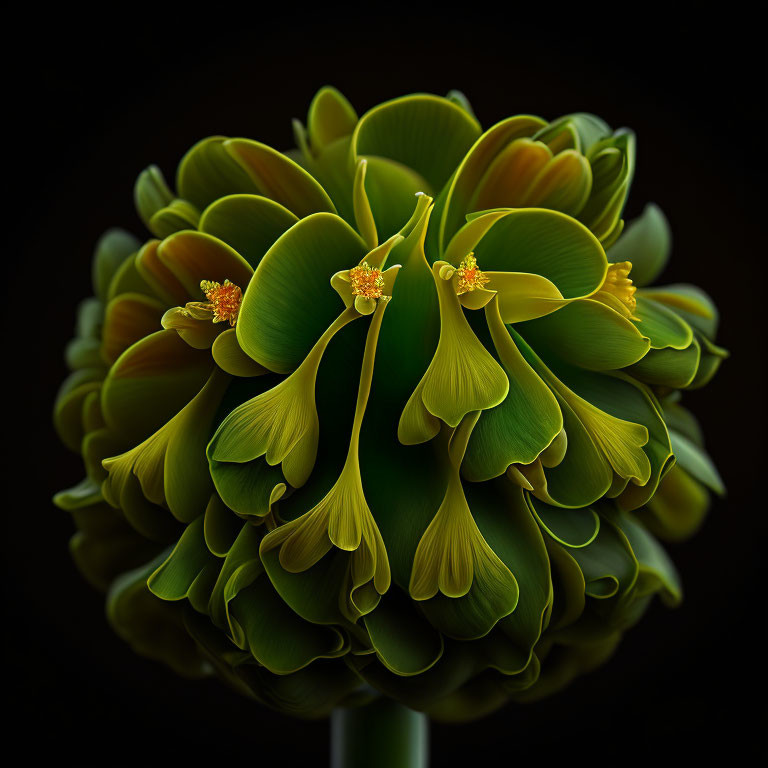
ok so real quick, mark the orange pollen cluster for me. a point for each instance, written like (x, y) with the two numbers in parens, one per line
(366, 281)
(470, 275)
(618, 283)
(225, 300)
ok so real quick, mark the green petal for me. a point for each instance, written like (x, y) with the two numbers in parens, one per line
(583, 475)
(331, 117)
(542, 243)
(249, 488)
(646, 243)
(195, 256)
(454, 559)
(313, 594)
(83, 353)
(175, 217)
(426, 133)
(624, 399)
(460, 99)
(151, 193)
(104, 545)
(695, 460)
(208, 172)
(231, 358)
(332, 168)
(613, 166)
(240, 569)
(112, 250)
(657, 573)
(289, 301)
(573, 528)
(277, 177)
(68, 410)
(276, 637)
(411, 326)
(563, 184)
(462, 377)
(688, 302)
(177, 574)
(150, 382)
(404, 486)
(608, 563)
(472, 169)
(673, 368)
(128, 318)
(523, 425)
(170, 465)
(709, 363)
(404, 641)
(220, 527)
(569, 600)
(517, 540)
(281, 423)
(390, 189)
(128, 279)
(678, 507)
(589, 334)
(249, 224)
(661, 325)
(364, 218)
(619, 440)
(158, 277)
(342, 519)
(583, 131)
(152, 627)
(199, 332)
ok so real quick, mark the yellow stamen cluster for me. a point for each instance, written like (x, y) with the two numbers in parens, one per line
(470, 275)
(224, 300)
(366, 281)
(618, 283)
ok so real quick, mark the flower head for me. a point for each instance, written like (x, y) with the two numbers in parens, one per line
(366, 281)
(470, 275)
(617, 283)
(224, 300)
(442, 482)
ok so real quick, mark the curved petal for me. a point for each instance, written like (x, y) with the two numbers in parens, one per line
(523, 425)
(455, 560)
(150, 382)
(545, 243)
(170, 465)
(289, 299)
(331, 117)
(277, 177)
(588, 334)
(646, 244)
(195, 256)
(462, 377)
(230, 357)
(128, 318)
(426, 133)
(472, 169)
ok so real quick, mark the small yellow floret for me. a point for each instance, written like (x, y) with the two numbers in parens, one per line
(470, 275)
(618, 283)
(366, 281)
(224, 300)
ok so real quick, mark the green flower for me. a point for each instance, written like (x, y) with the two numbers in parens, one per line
(395, 411)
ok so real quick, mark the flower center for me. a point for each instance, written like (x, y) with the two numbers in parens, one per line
(618, 284)
(224, 300)
(470, 275)
(366, 281)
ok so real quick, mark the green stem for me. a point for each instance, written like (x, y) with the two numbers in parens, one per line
(382, 734)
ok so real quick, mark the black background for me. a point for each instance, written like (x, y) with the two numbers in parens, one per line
(90, 109)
